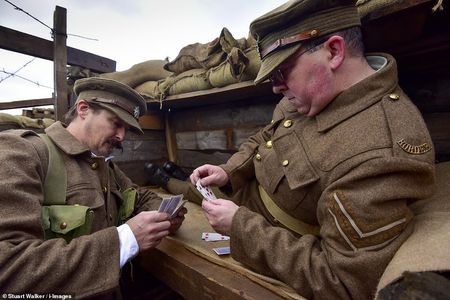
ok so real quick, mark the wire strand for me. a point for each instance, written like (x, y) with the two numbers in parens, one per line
(14, 73)
(52, 31)
(29, 80)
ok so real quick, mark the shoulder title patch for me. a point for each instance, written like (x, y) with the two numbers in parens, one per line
(414, 149)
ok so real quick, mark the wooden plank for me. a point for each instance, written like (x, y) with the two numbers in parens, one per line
(60, 62)
(191, 159)
(152, 120)
(20, 42)
(196, 278)
(202, 140)
(232, 92)
(171, 143)
(26, 103)
(248, 113)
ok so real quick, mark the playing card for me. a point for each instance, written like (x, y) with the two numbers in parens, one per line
(214, 236)
(172, 205)
(222, 250)
(205, 191)
(163, 205)
(177, 209)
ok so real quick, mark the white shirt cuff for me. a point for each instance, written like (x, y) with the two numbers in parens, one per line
(129, 247)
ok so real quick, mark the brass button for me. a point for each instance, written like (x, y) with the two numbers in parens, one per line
(269, 144)
(313, 33)
(285, 162)
(104, 189)
(258, 156)
(63, 225)
(94, 166)
(287, 123)
(394, 97)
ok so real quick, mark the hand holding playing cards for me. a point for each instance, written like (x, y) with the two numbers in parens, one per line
(149, 227)
(177, 220)
(210, 175)
(220, 214)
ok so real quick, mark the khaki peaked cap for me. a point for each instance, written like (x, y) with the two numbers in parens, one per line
(115, 96)
(280, 32)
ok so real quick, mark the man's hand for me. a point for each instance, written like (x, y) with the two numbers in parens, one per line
(149, 227)
(220, 214)
(210, 175)
(176, 222)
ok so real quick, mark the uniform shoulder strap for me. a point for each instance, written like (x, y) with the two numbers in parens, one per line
(55, 184)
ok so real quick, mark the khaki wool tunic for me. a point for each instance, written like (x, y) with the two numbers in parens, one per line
(88, 265)
(352, 170)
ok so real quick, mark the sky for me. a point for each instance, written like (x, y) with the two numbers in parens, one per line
(128, 32)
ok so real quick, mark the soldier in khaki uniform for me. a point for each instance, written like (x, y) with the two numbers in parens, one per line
(57, 258)
(321, 195)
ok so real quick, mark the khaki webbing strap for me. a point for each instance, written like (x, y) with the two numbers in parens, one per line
(287, 220)
(55, 184)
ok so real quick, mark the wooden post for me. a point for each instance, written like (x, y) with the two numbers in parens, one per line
(60, 62)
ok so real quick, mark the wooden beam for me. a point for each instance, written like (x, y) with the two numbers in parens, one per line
(20, 42)
(26, 103)
(60, 62)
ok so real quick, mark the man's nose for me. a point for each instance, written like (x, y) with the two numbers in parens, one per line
(278, 88)
(120, 134)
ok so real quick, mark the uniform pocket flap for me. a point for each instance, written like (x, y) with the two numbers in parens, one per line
(296, 165)
(64, 218)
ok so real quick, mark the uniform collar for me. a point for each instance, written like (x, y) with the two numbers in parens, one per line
(361, 95)
(65, 140)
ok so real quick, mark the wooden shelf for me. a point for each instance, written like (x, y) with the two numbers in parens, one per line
(232, 92)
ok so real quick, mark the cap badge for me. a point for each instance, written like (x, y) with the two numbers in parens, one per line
(136, 112)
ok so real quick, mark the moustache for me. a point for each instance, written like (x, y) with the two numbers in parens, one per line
(116, 144)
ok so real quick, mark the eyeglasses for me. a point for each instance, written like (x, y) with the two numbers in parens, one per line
(277, 77)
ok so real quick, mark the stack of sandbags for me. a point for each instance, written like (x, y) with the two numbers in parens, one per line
(8, 121)
(218, 63)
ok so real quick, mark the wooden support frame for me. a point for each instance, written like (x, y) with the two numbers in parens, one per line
(56, 51)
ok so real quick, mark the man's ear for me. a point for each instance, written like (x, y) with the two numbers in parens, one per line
(82, 108)
(336, 48)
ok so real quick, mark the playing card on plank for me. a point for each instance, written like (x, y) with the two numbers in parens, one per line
(205, 191)
(222, 250)
(214, 236)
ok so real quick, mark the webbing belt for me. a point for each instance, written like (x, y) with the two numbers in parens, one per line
(287, 220)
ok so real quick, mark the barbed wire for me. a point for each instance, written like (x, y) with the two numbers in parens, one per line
(17, 71)
(29, 80)
(51, 29)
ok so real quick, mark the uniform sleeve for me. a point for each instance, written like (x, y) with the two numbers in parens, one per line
(364, 218)
(88, 265)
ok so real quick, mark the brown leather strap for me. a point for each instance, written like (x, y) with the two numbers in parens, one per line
(286, 41)
(128, 108)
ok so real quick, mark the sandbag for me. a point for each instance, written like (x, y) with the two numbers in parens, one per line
(8, 121)
(189, 81)
(254, 63)
(28, 122)
(206, 56)
(230, 71)
(427, 247)
(149, 89)
(150, 70)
